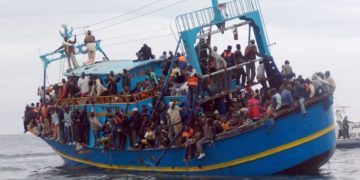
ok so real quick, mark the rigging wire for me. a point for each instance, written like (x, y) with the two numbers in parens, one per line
(118, 16)
(141, 15)
(137, 40)
(133, 34)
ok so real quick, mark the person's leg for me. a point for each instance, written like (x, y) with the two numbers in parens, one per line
(69, 62)
(302, 105)
(73, 59)
(253, 74)
(199, 145)
(248, 70)
(243, 76)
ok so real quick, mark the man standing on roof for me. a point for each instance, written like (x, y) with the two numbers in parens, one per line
(83, 84)
(240, 72)
(250, 55)
(90, 46)
(145, 53)
(69, 49)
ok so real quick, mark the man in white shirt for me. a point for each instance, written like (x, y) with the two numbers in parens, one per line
(330, 81)
(83, 84)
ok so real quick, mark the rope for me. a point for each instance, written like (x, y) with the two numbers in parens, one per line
(133, 34)
(141, 15)
(137, 40)
(118, 16)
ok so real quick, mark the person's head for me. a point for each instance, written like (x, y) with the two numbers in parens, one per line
(63, 81)
(238, 47)
(88, 32)
(287, 62)
(112, 73)
(229, 48)
(164, 53)
(215, 48)
(92, 114)
(145, 45)
(170, 53)
(307, 80)
(83, 75)
(143, 108)
(172, 105)
(252, 42)
(327, 74)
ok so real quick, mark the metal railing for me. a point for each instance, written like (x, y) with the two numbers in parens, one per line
(204, 17)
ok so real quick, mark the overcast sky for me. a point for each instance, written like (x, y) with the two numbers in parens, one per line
(315, 35)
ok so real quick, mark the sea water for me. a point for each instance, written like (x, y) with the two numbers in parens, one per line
(27, 157)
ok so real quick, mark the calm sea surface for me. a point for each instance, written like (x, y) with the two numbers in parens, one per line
(27, 157)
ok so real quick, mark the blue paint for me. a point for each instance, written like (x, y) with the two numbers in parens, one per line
(287, 129)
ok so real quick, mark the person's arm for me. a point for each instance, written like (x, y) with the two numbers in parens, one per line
(61, 47)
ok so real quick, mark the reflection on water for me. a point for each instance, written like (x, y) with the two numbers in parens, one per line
(27, 157)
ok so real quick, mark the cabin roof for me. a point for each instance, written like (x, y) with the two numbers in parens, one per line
(104, 67)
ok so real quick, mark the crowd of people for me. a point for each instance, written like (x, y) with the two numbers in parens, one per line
(189, 124)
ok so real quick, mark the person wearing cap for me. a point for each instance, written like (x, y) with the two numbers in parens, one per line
(250, 56)
(90, 46)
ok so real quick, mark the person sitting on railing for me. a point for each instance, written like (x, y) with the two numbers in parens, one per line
(310, 89)
(331, 82)
(89, 42)
(260, 75)
(144, 53)
(69, 49)
(83, 84)
(208, 135)
(275, 101)
(287, 70)
(112, 83)
(300, 93)
(287, 99)
(232, 115)
(240, 72)
(250, 56)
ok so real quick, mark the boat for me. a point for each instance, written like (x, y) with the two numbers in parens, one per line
(287, 143)
(353, 141)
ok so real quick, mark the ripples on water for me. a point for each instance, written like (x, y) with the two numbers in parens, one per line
(27, 157)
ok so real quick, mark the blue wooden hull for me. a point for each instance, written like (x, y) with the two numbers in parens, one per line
(292, 144)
